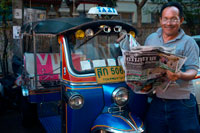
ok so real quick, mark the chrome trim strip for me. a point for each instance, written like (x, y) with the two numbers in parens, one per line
(77, 84)
(118, 109)
(108, 129)
(69, 67)
(132, 125)
(127, 120)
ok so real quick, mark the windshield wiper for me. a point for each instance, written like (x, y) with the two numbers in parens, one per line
(76, 47)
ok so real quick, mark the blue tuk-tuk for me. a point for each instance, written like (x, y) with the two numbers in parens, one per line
(73, 75)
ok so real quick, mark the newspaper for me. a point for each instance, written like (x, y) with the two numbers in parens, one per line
(145, 66)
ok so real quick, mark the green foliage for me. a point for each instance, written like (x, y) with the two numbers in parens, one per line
(5, 4)
(5, 8)
(109, 3)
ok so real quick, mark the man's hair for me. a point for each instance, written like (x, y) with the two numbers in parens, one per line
(170, 4)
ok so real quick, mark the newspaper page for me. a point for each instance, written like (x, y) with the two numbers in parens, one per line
(141, 66)
(145, 66)
(169, 62)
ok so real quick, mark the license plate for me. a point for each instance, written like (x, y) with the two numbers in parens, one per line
(109, 74)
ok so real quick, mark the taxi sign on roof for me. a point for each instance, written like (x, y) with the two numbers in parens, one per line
(102, 11)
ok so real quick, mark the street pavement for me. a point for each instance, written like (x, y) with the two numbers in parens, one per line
(10, 122)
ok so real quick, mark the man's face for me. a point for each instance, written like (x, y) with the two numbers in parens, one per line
(170, 21)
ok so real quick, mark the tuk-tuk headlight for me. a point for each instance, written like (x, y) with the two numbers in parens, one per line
(120, 96)
(76, 101)
(89, 33)
(106, 29)
(132, 33)
(117, 28)
(80, 34)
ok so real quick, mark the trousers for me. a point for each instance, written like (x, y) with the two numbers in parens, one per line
(173, 116)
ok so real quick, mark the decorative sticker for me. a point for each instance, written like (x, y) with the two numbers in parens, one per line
(85, 65)
(111, 62)
(99, 63)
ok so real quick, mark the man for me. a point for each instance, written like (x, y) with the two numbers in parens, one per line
(174, 110)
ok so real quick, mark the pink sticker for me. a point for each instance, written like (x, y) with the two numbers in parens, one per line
(47, 64)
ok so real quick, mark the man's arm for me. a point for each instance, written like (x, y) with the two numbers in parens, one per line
(188, 75)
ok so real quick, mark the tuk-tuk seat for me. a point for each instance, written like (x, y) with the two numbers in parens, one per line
(48, 66)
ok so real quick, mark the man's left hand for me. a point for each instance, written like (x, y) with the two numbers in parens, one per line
(173, 76)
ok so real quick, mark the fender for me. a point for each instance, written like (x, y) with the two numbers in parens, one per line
(117, 123)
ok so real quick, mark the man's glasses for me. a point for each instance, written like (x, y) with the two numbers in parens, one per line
(172, 21)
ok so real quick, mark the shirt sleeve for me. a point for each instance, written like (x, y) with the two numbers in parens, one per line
(192, 54)
(148, 40)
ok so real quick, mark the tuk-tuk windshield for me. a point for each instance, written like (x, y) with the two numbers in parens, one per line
(100, 51)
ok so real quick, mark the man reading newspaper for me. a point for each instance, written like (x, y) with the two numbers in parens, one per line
(145, 66)
(175, 109)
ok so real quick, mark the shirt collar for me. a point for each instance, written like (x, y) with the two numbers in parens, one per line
(180, 35)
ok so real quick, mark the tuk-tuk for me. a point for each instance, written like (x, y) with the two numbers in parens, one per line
(78, 83)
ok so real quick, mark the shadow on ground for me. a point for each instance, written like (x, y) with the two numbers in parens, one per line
(11, 122)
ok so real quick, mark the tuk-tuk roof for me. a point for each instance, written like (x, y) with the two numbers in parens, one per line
(61, 25)
(54, 26)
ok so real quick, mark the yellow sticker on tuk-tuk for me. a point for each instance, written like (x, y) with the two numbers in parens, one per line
(109, 74)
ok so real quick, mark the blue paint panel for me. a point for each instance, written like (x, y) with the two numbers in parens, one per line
(114, 122)
(45, 97)
(108, 90)
(137, 121)
(48, 109)
(51, 124)
(82, 119)
(95, 100)
(138, 104)
(117, 122)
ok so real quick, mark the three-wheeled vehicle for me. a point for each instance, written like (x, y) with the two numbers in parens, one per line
(77, 82)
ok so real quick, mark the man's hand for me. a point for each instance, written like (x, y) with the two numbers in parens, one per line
(188, 75)
(173, 76)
